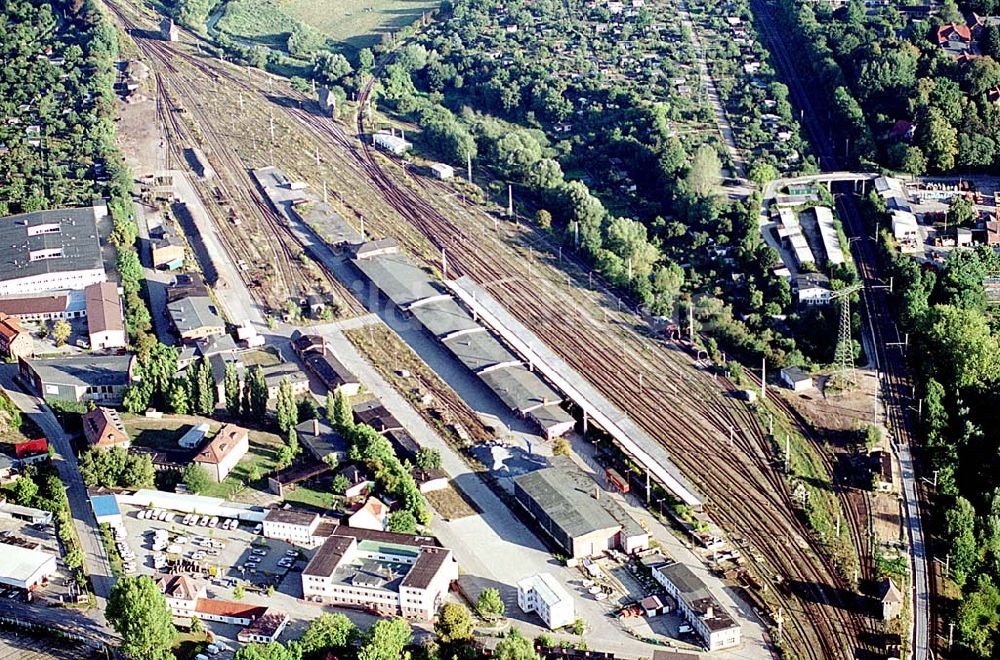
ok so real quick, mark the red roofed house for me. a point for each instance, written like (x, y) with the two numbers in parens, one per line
(373, 514)
(15, 342)
(103, 428)
(953, 32)
(225, 450)
(226, 611)
(182, 593)
(32, 451)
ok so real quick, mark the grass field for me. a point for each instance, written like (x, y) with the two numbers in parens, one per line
(353, 24)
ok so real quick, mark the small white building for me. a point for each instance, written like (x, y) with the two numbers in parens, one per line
(265, 628)
(812, 288)
(193, 437)
(394, 144)
(543, 595)
(224, 452)
(373, 514)
(905, 230)
(443, 171)
(796, 379)
(292, 526)
(25, 568)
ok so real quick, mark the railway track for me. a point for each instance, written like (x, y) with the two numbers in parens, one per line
(680, 407)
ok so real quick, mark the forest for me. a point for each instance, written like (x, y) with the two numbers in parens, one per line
(905, 94)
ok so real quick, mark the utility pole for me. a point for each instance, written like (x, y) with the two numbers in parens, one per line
(630, 269)
(770, 424)
(272, 127)
(468, 166)
(363, 231)
(781, 621)
(951, 635)
(576, 233)
(732, 431)
(640, 383)
(788, 451)
(444, 264)
(763, 378)
(510, 201)
(324, 191)
(837, 536)
(691, 323)
(241, 100)
(317, 156)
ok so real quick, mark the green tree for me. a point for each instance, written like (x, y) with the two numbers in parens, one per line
(178, 396)
(196, 478)
(705, 173)
(329, 632)
(258, 393)
(385, 640)
(979, 618)
(285, 457)
(366, 60)
(342, 417)
(515, 646)
(139, 471)
(454, 623)
(24, 491)
(330, 68)
(960, 524)
(961, 347)
(74, 559)
(961, 212)
(428, 458)
(339, 485)
(61, 330)
(937, 139)
(402, 522)
(269, 651)
(232, 386)
(490, 605)
(239, 591)
(286, 409)
(561, 447)
(138, 612)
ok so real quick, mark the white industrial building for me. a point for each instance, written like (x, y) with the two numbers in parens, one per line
(51, 251)
(394, 144)
(291, 526)
(187, 503)
(443, 171)
(391, 574)
(543, 595)
(25, 568)
(713, 623)
(828, 234)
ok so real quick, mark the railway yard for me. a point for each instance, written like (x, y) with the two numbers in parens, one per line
(243, 119)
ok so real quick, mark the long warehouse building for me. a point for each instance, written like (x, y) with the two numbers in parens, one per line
(647, 452)
(413, 291)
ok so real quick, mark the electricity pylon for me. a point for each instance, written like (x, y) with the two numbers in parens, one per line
(843, 356)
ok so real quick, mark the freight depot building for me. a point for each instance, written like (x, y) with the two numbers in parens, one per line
(50, 251)
(411, 289)
(574, 512)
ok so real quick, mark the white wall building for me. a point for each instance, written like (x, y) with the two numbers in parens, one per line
(695, 603)
(390, 574)
(543, 595)
(25, 568)
(292, 526)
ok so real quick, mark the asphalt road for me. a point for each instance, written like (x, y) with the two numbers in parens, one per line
(95, 558)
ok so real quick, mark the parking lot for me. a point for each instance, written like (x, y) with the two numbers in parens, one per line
(226, 553)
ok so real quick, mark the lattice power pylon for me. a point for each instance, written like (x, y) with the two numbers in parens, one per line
(843, 356)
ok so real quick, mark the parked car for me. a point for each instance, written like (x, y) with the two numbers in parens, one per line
(258, 551)
(213, 521)
(258, 528)
(186, 520)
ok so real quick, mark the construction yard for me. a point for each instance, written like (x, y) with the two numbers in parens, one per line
(719, 442)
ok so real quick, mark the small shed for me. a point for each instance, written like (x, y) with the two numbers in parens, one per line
(892, 599)
(442, 171)
(315, 304)
(655, 605)
(796, 379)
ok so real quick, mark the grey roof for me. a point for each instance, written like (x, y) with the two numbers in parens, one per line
(401, 280)
(478, 350)
(443, 317)
(275, 373)
(689, 586)
(520, 389)
(73, 231)
(550, 416)
(570, 506)
(194, 312)
(585, 483)
(795, 374)
(84, 370)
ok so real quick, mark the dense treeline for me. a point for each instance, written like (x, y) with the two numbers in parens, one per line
(56, 103)
(957, 369)
(876, 67)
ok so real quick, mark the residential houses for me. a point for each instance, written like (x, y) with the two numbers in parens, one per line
(224, 451)
(103, 428)
(543, 595)
(105, 322)
(15, 341)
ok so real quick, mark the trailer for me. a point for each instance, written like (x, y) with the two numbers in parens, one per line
(617, 480)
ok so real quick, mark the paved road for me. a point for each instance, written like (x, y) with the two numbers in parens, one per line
(721, 118)
(878, 318)
(96, 561)
(156, 280)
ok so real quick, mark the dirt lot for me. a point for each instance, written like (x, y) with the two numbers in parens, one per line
(836, 413)
(140, 139)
